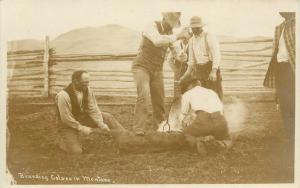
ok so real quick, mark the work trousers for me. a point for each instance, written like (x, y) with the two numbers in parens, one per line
(150, 92)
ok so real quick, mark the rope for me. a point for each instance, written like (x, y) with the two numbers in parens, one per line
(174, 100)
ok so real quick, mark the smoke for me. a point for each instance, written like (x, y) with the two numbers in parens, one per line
(235, 114)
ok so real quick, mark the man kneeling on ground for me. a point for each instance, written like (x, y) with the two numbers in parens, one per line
(78, 112)
(208, 131)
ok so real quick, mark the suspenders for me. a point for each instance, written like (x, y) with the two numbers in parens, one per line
(205, 44)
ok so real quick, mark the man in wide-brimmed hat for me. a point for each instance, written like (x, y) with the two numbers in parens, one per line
(204, 57)
(147, 69)
(209, 130)
(281, 75)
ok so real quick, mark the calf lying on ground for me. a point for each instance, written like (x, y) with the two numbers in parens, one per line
(195, 121)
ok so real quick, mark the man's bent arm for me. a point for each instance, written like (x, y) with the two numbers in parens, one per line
(64, 107)
(158, 39)
(191, 59)
(215, 50)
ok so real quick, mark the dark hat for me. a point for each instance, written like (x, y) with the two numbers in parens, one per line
(186, 82)
(291, 14)
(172, 17)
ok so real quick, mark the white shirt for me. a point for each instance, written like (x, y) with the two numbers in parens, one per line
(282, 55)
(200, 98)
(200, 52)
(159, 40)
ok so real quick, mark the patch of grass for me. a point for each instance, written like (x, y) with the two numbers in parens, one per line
(257, 155)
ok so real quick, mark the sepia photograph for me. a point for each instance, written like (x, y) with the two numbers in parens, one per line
(181, 92)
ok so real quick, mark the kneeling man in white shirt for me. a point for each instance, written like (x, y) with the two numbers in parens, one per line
(208, 131)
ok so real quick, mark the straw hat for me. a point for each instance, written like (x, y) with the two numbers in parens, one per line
(196, 21)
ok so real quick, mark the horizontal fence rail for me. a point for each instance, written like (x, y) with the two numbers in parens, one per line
(42, 73)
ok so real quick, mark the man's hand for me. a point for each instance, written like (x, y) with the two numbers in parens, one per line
(85, 130)
(183, 34)
(213, 75)
(103, 126)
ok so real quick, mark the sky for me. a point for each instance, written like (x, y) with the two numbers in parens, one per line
(35, 19)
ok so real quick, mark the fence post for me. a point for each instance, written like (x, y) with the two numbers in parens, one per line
(46, 67)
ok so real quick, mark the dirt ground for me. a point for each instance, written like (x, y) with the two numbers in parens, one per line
(257, 155)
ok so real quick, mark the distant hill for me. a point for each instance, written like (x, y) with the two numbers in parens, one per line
(25, 45)
(107, 39)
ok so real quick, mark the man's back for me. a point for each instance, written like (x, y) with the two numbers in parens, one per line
(200, 98)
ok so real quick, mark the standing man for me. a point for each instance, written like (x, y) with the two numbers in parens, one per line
(178, 59)
(78, 112)
(147, 69)
(204, 58)
(281, 74)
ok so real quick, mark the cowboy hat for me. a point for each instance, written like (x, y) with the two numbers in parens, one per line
(290, 14)
(196, 21)
(172, 17)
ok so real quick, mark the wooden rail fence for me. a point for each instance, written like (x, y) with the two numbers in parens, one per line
(43, 73)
